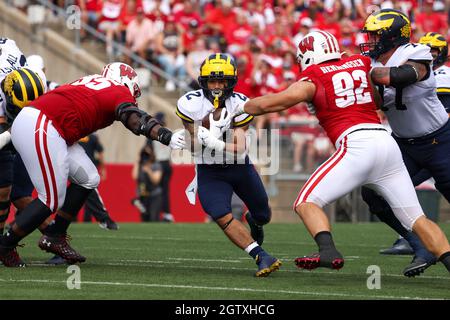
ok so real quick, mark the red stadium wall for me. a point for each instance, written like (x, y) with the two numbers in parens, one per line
(118, 189)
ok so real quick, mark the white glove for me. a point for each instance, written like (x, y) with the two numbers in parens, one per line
(5, 138)
(206, 138)
(217, 128)
(178, 140)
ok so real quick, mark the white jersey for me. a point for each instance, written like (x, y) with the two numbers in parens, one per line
(425, 113)
(194, 106)
(11, 58)
(442, 75)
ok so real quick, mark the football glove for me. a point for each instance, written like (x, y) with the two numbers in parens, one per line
(206, 138)
(177, 141)
(218, 127)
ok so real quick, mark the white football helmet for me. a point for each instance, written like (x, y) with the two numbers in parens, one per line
(124, 74)
(317, 47)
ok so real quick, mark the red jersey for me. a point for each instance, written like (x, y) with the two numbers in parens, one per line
(343, 95)
(84, 106)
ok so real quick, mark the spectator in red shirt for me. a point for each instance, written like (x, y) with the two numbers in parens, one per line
(187, 14)
(89, 14)
(430, 21)
(331, 23)
(238, 34)
(219, 19)
(191, 35)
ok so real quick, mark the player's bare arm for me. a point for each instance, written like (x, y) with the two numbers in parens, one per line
(401, 76)
(301, 91)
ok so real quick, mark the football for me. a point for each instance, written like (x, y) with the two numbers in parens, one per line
(216, 116)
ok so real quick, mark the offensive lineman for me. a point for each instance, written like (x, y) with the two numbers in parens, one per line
(420, 125)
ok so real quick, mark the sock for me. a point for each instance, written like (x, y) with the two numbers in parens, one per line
(418, 247)
(59, 227)
(10, 239)
(325, 241)
(255, 250)
(445, 259)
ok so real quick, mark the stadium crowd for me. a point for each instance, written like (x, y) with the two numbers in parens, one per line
(262, 35)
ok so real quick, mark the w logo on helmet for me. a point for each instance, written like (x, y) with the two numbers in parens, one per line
(307, 44)
(127, 71)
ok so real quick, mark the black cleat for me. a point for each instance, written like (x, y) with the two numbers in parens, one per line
(109, 224)
(417, 266)
(56, 261)
(266, 265)
(317, 260)
(10, 258)
(256, 231)
(59, 245)
(400, 247)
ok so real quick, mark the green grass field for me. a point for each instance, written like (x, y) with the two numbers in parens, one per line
(196, 261)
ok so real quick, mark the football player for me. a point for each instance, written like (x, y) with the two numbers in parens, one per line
(345, 104)
(217, 178)
(53, 124)
(420, 125)
(15, 184)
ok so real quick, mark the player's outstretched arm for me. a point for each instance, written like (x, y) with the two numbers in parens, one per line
(141, 123)
(301, 91)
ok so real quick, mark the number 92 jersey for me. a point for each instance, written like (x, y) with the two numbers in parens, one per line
(343, 97)
(194, 106)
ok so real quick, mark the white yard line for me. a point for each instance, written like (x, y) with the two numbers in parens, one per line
(174, 286)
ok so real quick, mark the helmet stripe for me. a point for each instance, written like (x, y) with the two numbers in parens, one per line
(22, 85)
(333, 42)
(34, 83)
(328, 40)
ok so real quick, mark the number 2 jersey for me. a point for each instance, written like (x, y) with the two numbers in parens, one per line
(84, 106)
(343, 97)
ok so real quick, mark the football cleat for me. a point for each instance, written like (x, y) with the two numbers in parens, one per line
(109, 224)
(418, 265)
(59, 245)
(256, 231)
(10, 258)
(317, 260)
(400, 247)
(56, 261)
(266, 265)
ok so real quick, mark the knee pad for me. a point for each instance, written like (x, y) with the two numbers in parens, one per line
(262, 217)
(75, 198)
(88, 180)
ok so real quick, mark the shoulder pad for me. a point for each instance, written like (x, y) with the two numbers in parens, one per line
(415, 51)
(189, 105)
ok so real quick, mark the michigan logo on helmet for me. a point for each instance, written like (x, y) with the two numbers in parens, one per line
(436, 41)
(21, 86)
(124, 74)
(386, 29)
(317, 47)
(218, 66)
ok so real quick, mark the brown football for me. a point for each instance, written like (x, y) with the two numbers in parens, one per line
(216, 116)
